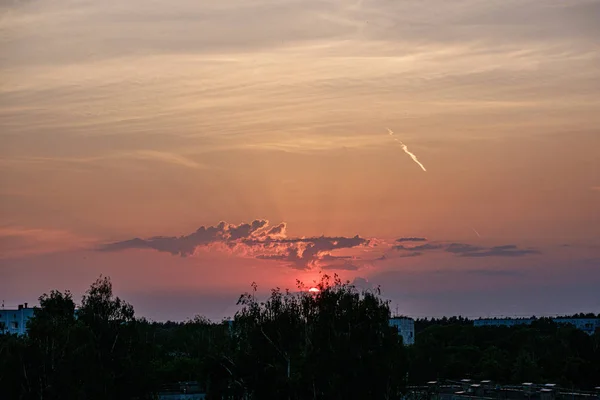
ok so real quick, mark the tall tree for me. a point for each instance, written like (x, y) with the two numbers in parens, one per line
(335, 343)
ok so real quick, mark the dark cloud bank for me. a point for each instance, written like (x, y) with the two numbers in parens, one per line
(258, 240)
(261, 241)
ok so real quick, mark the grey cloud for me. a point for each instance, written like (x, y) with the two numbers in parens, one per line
(277, 230)
(468, 250)
(245, 230)
(309, 252)
(361, 283)
(427, 246)
(411, 239)
(185, 245)
(255, 240)
(329, 257)
(346, 266)
(412, 254)
(500, 251)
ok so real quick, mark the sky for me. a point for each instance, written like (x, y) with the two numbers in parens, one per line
(448, 152)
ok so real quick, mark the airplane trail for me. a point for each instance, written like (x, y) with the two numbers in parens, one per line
(405, 148)
(477, 233)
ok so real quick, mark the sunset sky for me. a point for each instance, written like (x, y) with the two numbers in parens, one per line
(188, 148)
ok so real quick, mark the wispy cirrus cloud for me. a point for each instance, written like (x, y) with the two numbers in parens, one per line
(137, 155)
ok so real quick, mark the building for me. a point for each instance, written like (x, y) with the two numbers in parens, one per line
(588, 325)
(15, 321)
(406, 329)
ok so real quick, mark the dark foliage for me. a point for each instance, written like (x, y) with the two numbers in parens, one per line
(541, 352)
(331, 344)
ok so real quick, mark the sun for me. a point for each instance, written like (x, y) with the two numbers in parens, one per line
(314, 290)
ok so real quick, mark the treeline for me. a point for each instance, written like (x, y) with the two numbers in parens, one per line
(423, 323)
(543, 352)
(334, 344)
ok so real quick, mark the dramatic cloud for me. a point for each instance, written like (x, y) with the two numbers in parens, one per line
(186, 245)
(256, 240)
(411, 239)
(261, 241)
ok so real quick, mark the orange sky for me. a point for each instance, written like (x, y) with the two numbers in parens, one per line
(122, 120)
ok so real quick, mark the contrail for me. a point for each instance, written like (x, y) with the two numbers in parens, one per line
(415, 159)
(477, 233)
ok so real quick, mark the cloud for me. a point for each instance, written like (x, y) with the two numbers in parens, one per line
(278, 230)
(467, 250)
(136, 155)
(411, 239)
(362, 283)
(186, 245)
(460, 248)
(412, 254)
(427, 246)
(346, 266)
(261, 241)
(256, 240)
(500, 251)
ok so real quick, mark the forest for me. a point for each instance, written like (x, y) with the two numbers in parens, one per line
(332, 344)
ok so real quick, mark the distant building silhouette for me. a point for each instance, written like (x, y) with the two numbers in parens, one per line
(405, 327)
(15, 321)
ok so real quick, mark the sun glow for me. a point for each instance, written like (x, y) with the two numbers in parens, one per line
(314, 290)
